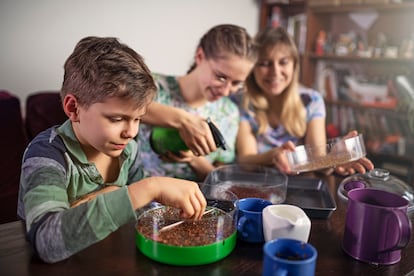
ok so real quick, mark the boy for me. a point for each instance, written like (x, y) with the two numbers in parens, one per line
(80, 181)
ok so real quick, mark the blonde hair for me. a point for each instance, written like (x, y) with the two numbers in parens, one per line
(293, 112)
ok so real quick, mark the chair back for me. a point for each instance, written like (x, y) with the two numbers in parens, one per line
(43, 110)
(13, 142)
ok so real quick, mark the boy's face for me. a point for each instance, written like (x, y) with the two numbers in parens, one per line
(107, 127)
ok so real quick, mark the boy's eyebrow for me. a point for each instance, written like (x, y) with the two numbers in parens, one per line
(120, 114)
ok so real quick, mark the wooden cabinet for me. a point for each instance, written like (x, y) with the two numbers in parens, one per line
(393, 19)
(286, 9)
(391, 22)
(366, 45)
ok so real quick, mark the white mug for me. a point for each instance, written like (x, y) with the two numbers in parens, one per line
(285, 221)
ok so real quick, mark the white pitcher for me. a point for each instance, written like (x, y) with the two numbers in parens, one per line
(285, 221)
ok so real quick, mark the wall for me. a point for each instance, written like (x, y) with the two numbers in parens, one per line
(37, 36)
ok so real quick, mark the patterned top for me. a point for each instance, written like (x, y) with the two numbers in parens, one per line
(223, 113)
(56, 172)
(275, 137)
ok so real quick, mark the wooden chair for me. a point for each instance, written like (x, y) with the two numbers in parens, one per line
(13, 142)
(43, 110)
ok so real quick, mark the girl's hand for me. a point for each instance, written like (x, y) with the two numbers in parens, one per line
(182, 157)
(196, 134)
(199, 164)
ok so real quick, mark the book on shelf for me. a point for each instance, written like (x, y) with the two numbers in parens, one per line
(296, 27)
(326, 82)
(404, 87)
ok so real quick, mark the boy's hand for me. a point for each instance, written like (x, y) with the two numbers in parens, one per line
(179, 193)
(182, 194)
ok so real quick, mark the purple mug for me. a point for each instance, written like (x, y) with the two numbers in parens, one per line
(377, 226)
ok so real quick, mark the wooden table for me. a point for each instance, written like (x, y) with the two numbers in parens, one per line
(118, 255)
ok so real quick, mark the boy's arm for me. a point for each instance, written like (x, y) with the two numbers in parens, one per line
(194, 130)
(93, 195)
(56, 230)
(60, 233)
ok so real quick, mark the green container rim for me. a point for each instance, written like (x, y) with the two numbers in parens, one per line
(185, 255)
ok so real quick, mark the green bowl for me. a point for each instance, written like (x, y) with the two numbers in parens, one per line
(164, 236)
(185, 255)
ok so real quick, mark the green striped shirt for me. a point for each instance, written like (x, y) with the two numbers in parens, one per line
(55, 173)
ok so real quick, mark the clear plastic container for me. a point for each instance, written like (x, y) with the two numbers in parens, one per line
(250, 181)
(335, 152)
(163, 235)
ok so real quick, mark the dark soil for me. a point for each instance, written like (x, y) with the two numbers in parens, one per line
(213, 227)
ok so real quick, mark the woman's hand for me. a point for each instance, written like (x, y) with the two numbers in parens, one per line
(279, 158)
(361, 165)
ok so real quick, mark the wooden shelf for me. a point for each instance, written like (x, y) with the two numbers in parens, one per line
(355, 105)
(352, 58)
(390, 7)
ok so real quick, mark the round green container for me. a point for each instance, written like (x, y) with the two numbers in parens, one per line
(189, 242)
(166, 139)
(185, 255)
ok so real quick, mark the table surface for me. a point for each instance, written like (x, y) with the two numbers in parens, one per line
(118, 254)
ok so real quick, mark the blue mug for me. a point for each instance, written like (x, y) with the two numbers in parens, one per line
(291, 257)
(250, 223)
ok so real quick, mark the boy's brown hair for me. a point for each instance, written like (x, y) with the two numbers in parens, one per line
(101, 68)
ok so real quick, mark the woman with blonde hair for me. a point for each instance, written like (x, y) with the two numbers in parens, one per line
(277, 112)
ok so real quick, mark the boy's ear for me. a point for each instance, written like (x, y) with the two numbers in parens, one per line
(71, 107)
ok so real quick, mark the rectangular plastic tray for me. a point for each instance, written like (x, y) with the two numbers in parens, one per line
(310, 194)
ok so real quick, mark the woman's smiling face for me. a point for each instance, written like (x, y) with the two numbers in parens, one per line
(274, 70)
(221, 77)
